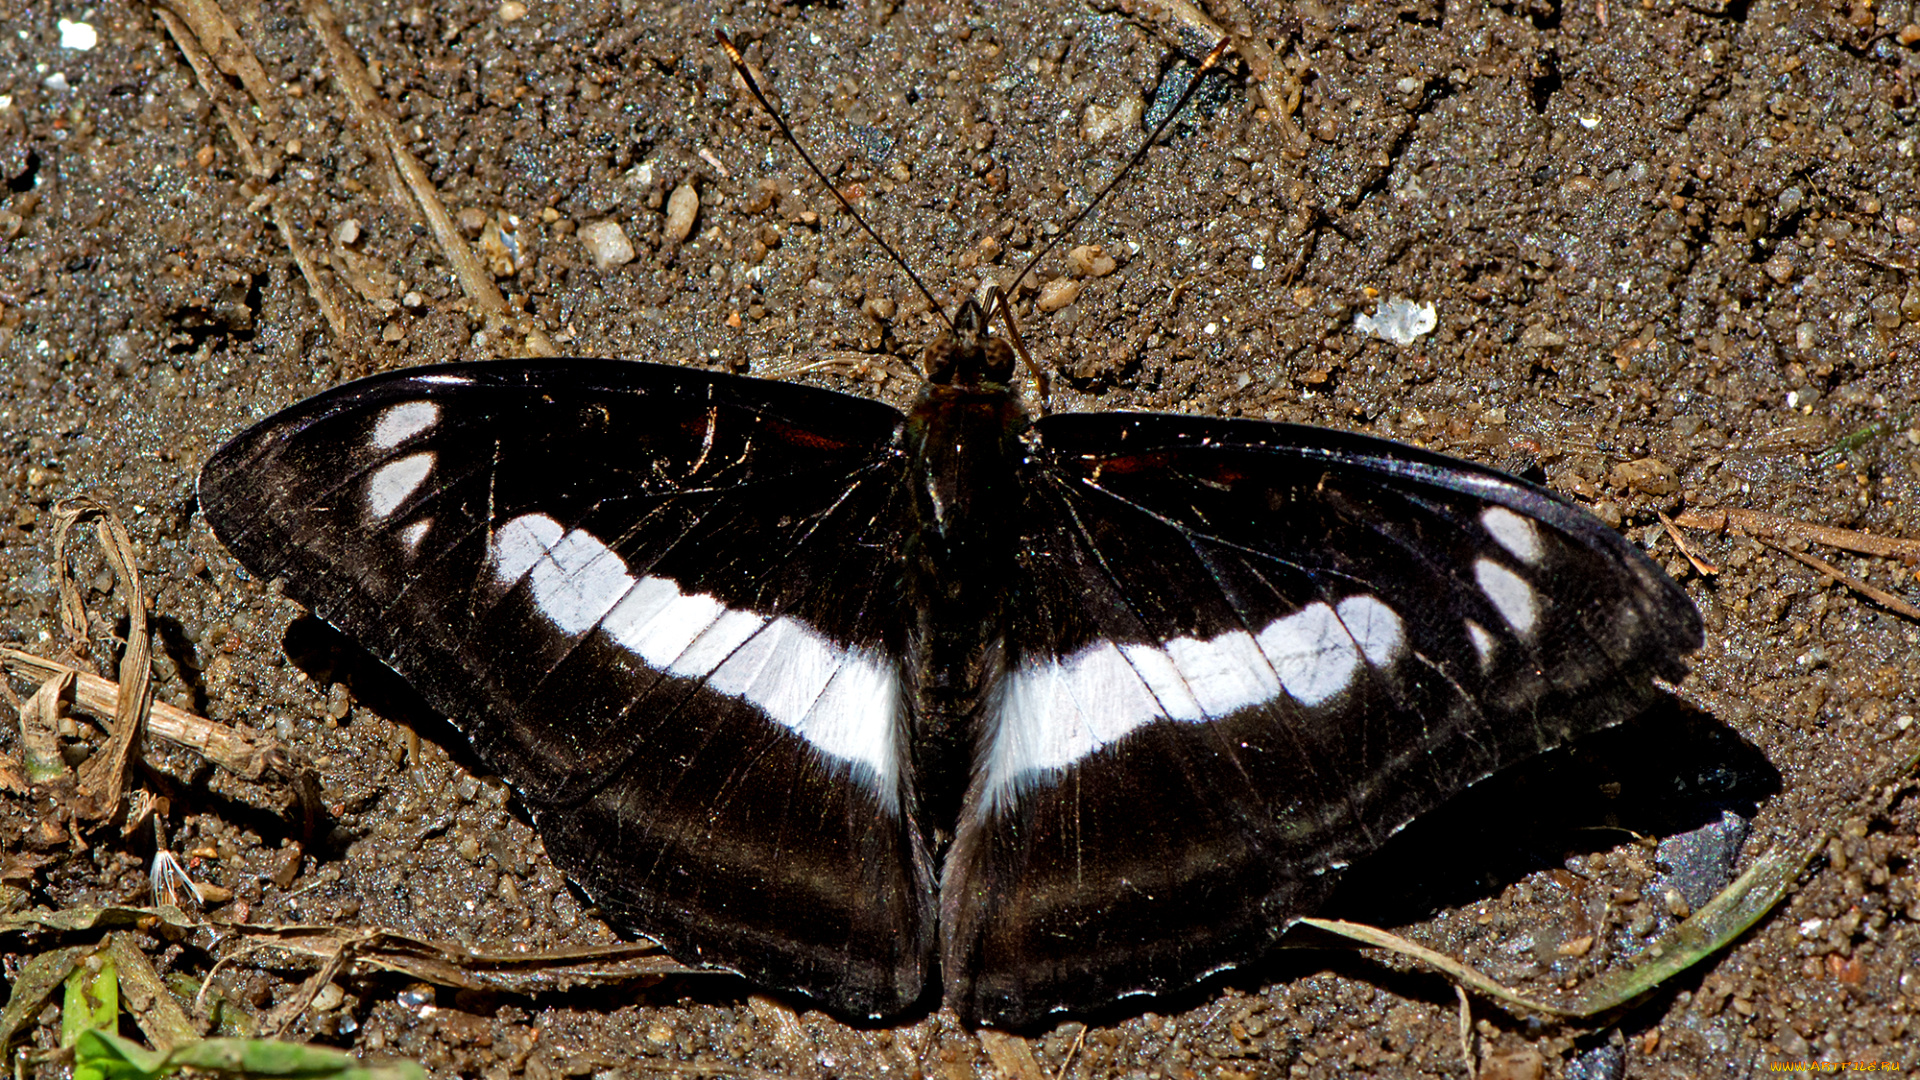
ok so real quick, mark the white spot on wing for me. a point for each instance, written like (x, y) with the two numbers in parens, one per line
(1519, 535)
(1054, 714)
(412, 534)
(1159, 676)
(391, 483)
(662, 624)
(857, 718)
(1482, 642)
(1375, 627)
(403, 421)
(843, 702)
(1509, 592)
(578, 581)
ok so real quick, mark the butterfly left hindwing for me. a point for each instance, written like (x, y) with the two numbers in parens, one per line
(1240, 655)
(631, 586)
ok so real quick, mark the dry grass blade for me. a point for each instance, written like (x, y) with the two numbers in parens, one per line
(222, 42)
(237, 750)
(1700, 565)
(1709, 929)
(103, 777)
(462, 968)
(40, 731)
(1441, 962)
(145, 995)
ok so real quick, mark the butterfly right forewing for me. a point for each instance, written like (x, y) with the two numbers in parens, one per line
(1240, 656)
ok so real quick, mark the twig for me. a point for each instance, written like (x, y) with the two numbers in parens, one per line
(1011, 1055)
(409, 175)
(1466, 1030)
(1873, 592)
(1079, 1041)
(1757, 523)
(190, 44)
(247, 753)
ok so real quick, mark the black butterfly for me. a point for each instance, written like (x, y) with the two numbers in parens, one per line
(1053, 711)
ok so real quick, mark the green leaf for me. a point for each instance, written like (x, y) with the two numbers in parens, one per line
(39, 977)
(101, 1055)
(93, 999)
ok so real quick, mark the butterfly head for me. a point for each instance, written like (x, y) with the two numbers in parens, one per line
(966, 356)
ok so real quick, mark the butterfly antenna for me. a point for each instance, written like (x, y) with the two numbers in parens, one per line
(1211, 61)
(753, 87)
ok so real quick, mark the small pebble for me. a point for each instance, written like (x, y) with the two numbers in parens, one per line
(607, 244)
(347, 233)
(1099, 124)
(1398, 320)
(512, 11)
(286, 866)
(1649, 476)
(682, 207)
(1090, 260)
(1057, 294)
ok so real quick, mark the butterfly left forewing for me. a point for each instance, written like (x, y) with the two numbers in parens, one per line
(636, 588)
(1241, 655)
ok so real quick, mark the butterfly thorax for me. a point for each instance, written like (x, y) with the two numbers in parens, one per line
(964, 443)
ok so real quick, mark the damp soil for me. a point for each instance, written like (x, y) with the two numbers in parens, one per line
(1670, 248)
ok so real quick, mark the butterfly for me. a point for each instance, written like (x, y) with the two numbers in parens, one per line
(1026, 715)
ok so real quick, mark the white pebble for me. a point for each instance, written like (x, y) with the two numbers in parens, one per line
(77, 35)
(1398, 320)
(606, 242)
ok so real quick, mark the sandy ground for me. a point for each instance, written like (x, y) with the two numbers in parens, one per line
(1671, 249)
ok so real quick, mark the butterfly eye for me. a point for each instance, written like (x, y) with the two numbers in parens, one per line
(999, 361)
(940, 360)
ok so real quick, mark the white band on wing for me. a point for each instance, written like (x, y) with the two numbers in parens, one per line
(1052, 713)
(844, 702)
